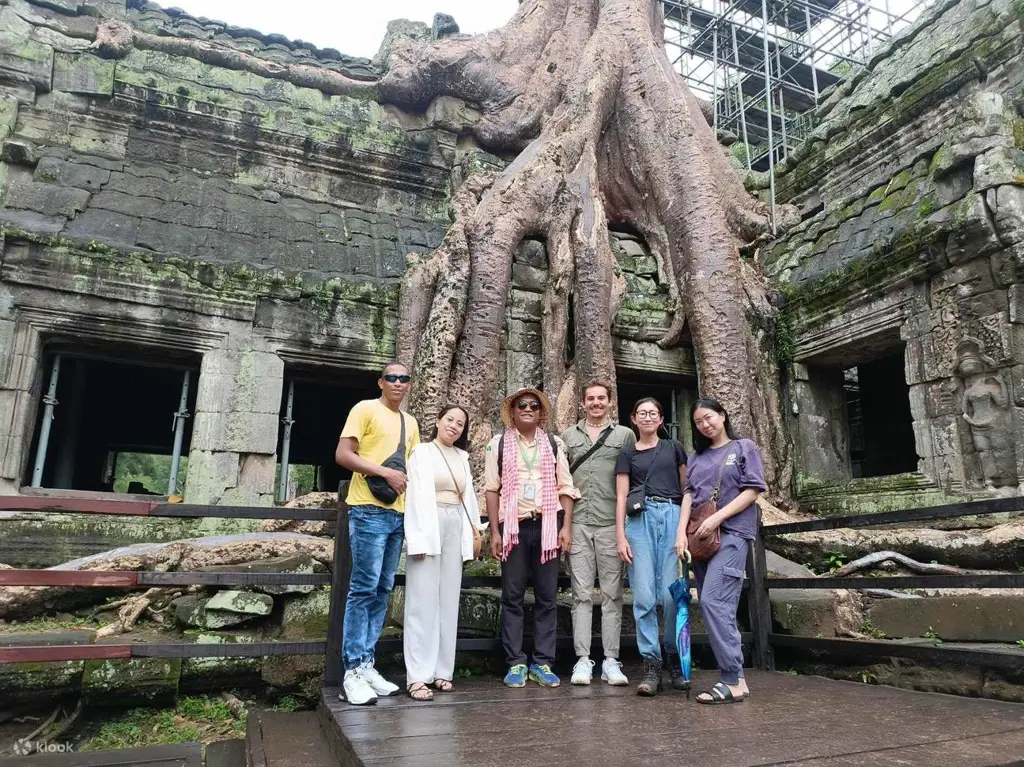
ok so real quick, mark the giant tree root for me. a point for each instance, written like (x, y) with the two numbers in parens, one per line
(883, 557)
(185, 555)
(1000, 547)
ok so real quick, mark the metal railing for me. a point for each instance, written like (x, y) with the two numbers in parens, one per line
(940, 653)
(119, 579)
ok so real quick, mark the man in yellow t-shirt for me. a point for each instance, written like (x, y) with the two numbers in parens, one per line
(372, 433)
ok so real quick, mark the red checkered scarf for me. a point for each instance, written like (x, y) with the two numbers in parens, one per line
(548, 496)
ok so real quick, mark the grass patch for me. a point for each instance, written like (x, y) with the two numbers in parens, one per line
(193, 719)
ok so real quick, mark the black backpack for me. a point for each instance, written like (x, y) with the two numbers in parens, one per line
(501, 451)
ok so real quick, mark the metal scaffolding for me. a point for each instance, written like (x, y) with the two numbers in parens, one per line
(765, 64)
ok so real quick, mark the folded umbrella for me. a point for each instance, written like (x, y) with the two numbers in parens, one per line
(680, 591)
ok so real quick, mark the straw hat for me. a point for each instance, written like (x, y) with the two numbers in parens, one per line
(510, 403)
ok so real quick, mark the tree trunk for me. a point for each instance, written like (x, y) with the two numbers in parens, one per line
(604, 131)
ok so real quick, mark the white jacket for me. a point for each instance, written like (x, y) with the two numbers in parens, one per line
(422, 535)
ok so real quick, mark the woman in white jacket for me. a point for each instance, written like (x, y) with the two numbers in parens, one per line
(440, 512)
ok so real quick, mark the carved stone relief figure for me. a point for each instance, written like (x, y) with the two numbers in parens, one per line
(985, 407)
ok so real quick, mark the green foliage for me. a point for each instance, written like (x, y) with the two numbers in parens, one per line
(303, 475)
(467, 673)
(153, 471)
(872, 631)
(193, 719)
(1020, 643)
(868, 677)
(288, 704)
(930, 634)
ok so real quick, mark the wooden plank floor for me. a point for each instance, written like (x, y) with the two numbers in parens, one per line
(788, 720)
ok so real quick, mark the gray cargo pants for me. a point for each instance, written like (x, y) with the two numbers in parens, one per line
(719, 584)
(594, 552)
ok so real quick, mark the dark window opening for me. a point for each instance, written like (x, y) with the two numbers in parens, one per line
(671, 392)
(320, 402)
(112, 424)
(879, 419)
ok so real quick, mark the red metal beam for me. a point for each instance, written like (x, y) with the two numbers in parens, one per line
(76, 505)
(69, 578)
(63, 652)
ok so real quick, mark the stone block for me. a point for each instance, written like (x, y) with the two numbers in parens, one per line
(942, 398)
(803, 613)
(532, 252)
(914, 362)
(241, 602)
(1016, 381)
(210, 473)
(1015, 304)
(216, 674)
(256, 473)
(23, 60)
(969, 618)
(632, 247)
(526, 277)
(526, 306)
(522, 369)
(140, 681)
(236, 432)
(305, 617)
(83, 73)
(173, 239)
(999, 166)
(105, 226)
(951, 436)
(923, 440)
(646, 265)
(523, 336)
(48, 199)
(295, 673)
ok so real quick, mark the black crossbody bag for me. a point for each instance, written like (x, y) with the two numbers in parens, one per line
(379, 486)
(593, 449)
(635, 499)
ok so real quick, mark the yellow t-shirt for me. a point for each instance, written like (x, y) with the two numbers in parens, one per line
(377, 429)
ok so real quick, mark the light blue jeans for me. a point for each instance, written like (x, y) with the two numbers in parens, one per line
(375, 538)
(652, 539)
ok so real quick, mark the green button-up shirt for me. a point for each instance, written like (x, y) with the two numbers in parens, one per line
(595, 479)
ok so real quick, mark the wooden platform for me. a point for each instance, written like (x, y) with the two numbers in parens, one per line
(788, 720)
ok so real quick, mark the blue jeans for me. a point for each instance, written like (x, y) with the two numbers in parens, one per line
(652, 538)
(375, 538)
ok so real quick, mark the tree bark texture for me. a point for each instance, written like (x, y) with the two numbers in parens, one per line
(602, 131)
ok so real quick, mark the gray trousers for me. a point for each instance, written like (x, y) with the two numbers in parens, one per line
(719, 584)
(433, 587)
(594, 552)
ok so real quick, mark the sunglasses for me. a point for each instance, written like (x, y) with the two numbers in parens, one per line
(396, 378)
(528, 404)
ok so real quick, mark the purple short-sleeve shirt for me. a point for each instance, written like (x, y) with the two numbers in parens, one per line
(743, 469)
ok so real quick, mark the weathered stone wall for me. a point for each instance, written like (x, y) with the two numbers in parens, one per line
(162, 204)
(912, 239)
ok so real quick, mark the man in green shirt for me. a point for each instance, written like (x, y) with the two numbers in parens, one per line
(593, 445)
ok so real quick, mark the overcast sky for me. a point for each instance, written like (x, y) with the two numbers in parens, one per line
(355, 27)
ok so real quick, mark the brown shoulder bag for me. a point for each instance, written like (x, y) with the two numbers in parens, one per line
(702, 549)
(478, 537)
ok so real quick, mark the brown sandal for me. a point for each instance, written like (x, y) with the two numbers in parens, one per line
(443, 685)
(419, 691)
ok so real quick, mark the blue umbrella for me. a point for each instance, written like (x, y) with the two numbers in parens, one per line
(680, 591)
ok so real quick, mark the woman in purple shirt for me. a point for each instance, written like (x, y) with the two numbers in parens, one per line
(734, 465)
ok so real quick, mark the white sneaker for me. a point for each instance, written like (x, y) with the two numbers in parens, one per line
(611, 672)
(377, 683)
(583, 671)
(357, 691)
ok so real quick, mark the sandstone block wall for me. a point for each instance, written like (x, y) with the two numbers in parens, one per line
(156, 204)
(911, 192)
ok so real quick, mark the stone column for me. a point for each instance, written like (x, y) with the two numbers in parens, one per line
(823, 433)
(233, 458)
(20, 378)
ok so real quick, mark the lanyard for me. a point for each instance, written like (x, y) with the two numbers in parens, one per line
(529, 463)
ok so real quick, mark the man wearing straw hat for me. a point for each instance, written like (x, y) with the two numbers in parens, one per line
(528, 486)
